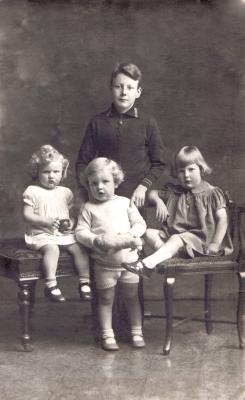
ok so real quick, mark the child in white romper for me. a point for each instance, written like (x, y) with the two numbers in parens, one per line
(108, 214)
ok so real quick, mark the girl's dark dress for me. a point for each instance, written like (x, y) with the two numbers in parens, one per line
(192, 216)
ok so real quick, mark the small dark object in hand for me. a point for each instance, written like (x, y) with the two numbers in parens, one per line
(64, 225)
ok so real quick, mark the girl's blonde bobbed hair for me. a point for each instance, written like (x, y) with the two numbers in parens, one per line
(190, 155)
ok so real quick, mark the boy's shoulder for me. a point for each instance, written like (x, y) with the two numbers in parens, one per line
(102, 114)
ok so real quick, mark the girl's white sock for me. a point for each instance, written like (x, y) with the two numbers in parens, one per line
(156, 258)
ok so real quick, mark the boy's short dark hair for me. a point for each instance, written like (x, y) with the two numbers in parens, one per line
(127, 69)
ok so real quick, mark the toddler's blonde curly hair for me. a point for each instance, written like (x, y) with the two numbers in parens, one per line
(98, 164)
(45, 155)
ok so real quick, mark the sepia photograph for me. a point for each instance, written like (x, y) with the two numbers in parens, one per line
(122, 199)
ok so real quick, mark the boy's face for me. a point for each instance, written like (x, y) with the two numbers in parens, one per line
(124, 91)
(101, 185)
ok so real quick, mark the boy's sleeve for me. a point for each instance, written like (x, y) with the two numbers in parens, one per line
(137, 223)
(83, 231)
(87, 150)
(156, 153)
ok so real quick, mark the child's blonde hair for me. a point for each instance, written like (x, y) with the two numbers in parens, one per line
(45, 155)
(99, 163)
(190, 155)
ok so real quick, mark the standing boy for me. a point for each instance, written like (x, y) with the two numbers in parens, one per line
(125, 135)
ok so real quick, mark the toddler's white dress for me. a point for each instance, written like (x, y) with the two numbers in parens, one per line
(54, 203)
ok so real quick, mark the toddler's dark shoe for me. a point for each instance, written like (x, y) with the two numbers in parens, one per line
(54, 294)
(138, 341)
(139, 268)
(84, 291)
(109, 344)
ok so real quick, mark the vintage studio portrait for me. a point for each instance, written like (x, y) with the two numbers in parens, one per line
(122, 199)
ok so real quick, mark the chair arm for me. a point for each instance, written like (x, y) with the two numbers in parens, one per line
(241, 207)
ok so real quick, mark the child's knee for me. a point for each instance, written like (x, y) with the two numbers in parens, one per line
(50, 250)
(152, 240)
(106, 296)
(78, 250)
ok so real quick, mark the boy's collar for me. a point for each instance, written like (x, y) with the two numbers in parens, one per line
(132, 112)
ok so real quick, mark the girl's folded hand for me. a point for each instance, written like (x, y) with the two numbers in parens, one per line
(213, 248)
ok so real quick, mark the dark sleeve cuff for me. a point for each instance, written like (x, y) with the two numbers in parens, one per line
(146, 182)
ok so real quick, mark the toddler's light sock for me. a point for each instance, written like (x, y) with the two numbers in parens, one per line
(107, 333)
(136, 331)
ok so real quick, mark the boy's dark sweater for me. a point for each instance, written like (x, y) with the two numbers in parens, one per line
(132, 140)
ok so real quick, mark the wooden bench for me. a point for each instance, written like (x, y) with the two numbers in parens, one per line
(24, 266)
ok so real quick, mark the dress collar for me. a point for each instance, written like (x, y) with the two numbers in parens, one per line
(203, 187)
(178, 189)
(132, 112)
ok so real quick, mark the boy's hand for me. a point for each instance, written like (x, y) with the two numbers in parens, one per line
(138, 197)
(161, 211)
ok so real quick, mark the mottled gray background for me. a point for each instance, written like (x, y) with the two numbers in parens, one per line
(55, 62)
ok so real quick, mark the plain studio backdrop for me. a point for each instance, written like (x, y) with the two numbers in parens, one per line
(55, 63)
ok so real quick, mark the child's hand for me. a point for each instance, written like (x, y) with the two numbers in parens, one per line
(138, 197)
(213, 248)
(64, 225)
(53, 223)
(100, 243)
(161, 211)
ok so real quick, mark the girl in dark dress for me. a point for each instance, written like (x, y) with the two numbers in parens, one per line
(194, 217)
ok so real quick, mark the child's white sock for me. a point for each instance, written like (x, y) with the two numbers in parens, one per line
(107, 333)
(156, 258)
(136, 331)
(50, 282)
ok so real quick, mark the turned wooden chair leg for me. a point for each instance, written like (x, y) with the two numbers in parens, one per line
(207, 303)
(32, 295)
(168, 295)
(241, 310)
(24, 296)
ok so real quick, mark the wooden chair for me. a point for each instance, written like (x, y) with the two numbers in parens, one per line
(208, 266)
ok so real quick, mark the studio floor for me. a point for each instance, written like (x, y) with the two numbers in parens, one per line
(66, 363)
